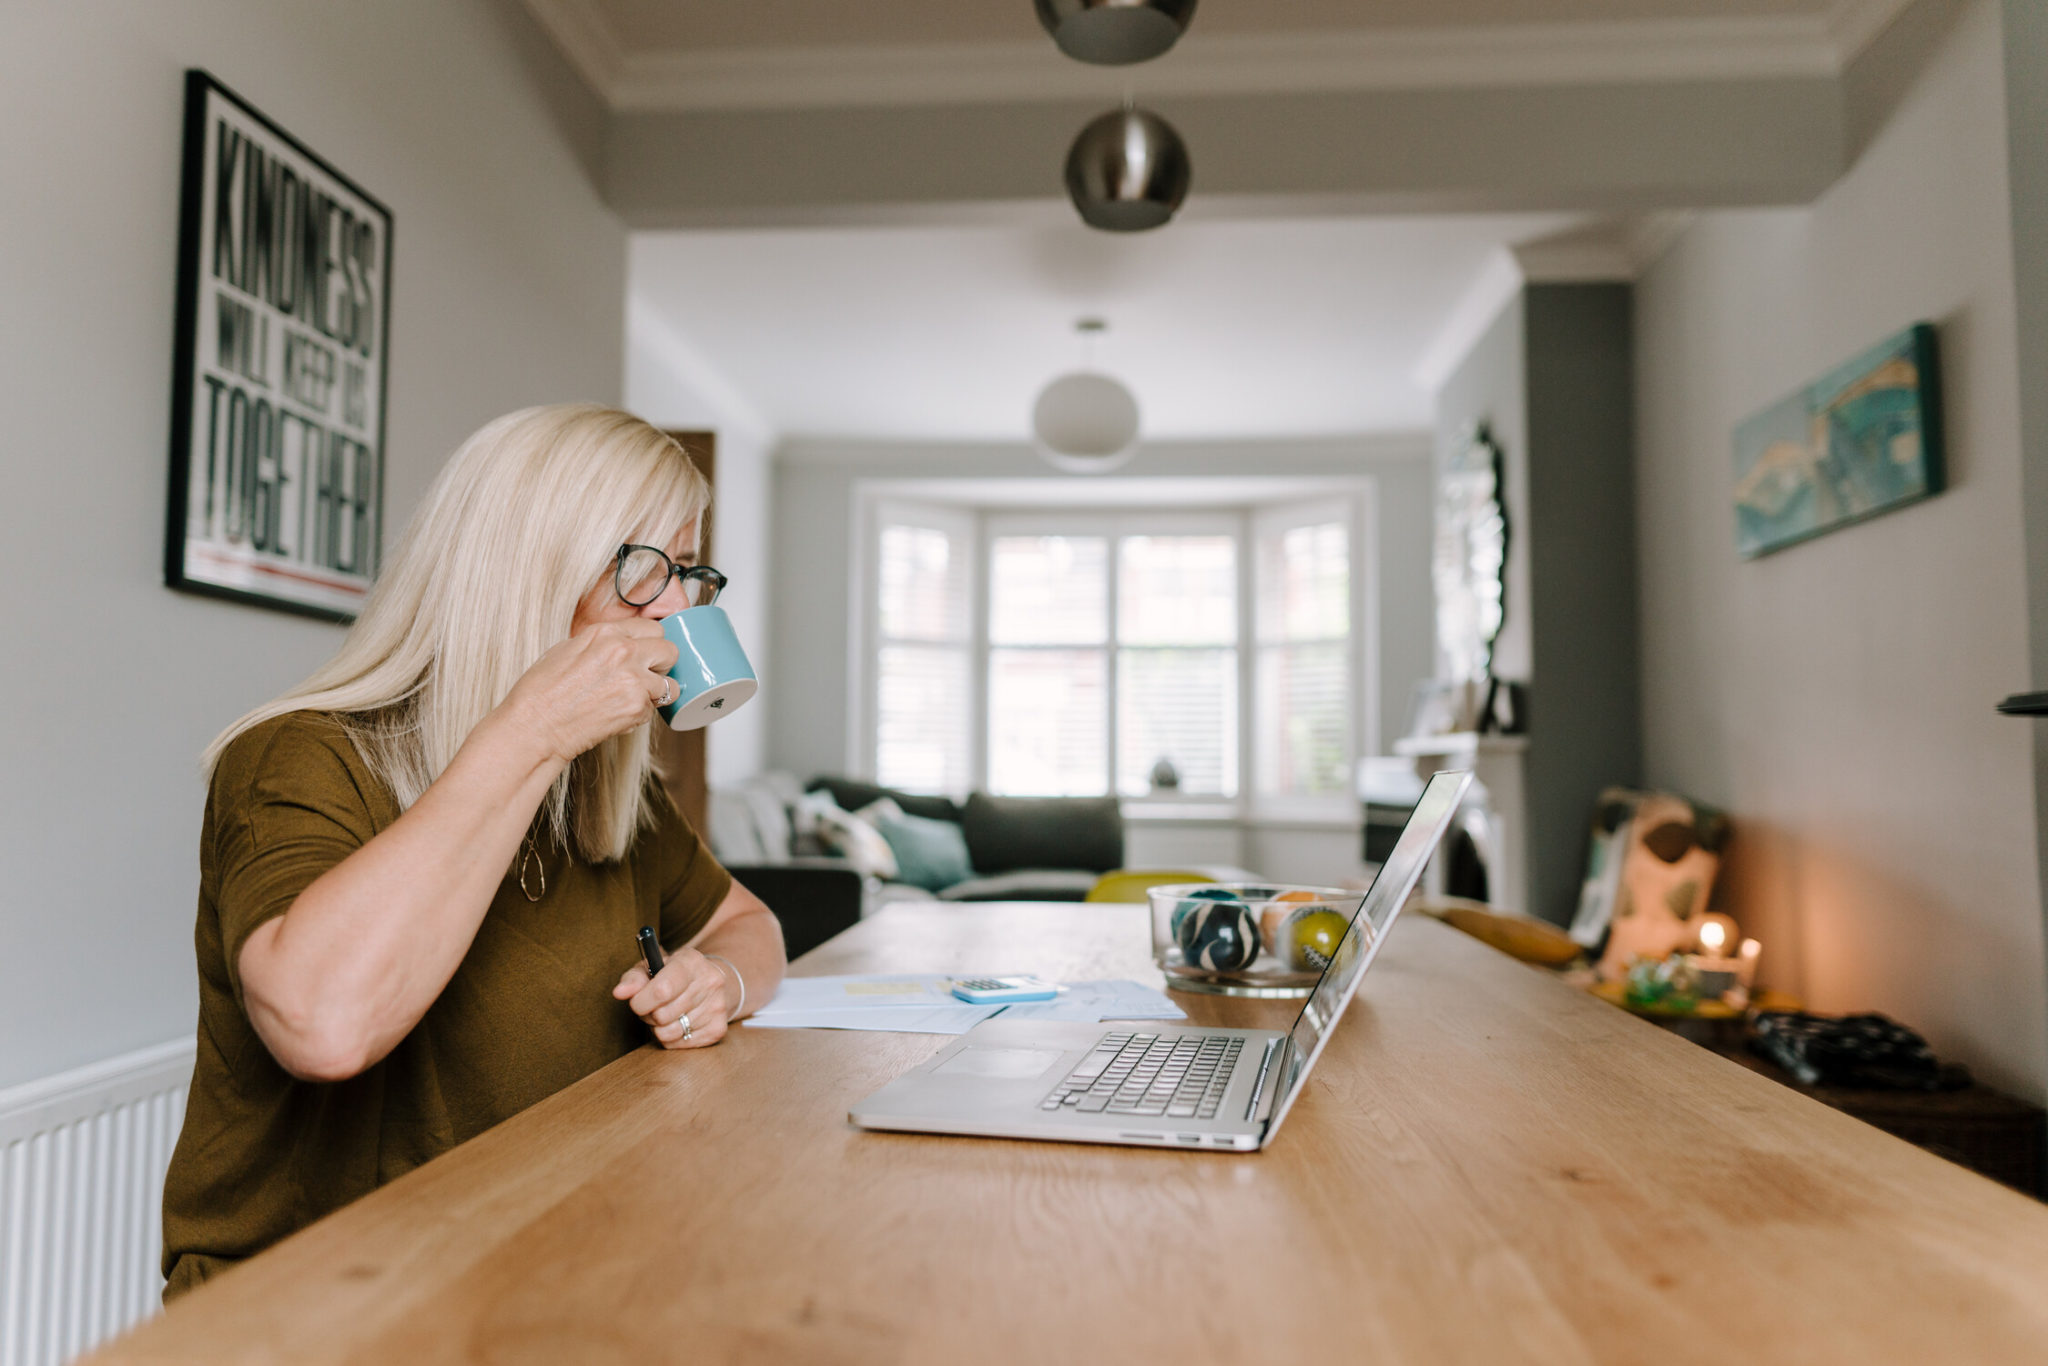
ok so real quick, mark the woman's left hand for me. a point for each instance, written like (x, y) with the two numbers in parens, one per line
(687, 1005)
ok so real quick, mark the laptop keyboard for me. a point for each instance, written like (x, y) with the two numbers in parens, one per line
(1182, 1075)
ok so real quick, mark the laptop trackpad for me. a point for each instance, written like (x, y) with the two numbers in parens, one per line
(1014, 1063)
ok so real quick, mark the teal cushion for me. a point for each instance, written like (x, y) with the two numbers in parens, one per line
(929, 853)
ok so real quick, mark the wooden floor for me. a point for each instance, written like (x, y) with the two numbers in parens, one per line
(1486, 1167)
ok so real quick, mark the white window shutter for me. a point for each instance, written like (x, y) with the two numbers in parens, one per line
(1302, 677)
(922, 705)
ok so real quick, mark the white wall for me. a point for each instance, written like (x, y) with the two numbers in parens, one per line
(508, 278)
(813, 539)
(1837, 696)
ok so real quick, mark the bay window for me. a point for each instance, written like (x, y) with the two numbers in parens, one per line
(1146, 654)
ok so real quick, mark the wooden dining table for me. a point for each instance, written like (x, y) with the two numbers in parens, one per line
(1485, 1167)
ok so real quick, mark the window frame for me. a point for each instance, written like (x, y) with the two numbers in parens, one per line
(1114, 526)
(1362, 710)
(865, 639)
(980, 521)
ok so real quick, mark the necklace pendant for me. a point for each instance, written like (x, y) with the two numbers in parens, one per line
(539, 873)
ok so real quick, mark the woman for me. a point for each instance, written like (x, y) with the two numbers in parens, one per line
(422, 871)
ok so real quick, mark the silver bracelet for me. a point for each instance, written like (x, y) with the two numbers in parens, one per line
(741, 1008)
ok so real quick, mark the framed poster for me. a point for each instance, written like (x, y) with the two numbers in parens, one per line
(279, 370)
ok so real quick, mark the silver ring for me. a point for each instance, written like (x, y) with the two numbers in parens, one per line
(668, 690)
(684, 1021)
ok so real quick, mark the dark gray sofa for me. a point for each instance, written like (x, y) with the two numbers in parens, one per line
(1022, 848)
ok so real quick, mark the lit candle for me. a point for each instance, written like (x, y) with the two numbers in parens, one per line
(1718, 972)
(1717, 933)
(1745, 963)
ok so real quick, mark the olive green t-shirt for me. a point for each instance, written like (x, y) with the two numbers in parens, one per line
(528, 1011)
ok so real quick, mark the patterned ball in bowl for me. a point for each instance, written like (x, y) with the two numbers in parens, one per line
(1311, 936)
(1221, 936)
(1275, 913)
(1194, 901)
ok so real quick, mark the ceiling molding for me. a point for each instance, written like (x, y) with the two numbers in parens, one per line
(585, 37)
(1577, 259)
(1157, 490)
(955, 457)
(1505, 55)
(1497, 282)
(1611, 250)
(1410, 59)
(1655, 233)
(1855, 24)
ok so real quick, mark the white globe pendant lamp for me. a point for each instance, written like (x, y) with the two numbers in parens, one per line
(1115, 32)
(1085, 422)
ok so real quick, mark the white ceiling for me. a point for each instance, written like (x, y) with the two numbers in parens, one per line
(1255, 328)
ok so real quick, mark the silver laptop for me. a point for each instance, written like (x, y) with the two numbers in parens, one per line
(1183, 1086)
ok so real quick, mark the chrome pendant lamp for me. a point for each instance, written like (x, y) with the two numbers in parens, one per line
(1128, 171)
(1085, 422)
(1115, 32)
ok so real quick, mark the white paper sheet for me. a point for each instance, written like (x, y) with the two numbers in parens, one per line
(957, 1018)
(862, 992)
(897, 1003)
(923, 1003)
(1087, 1002)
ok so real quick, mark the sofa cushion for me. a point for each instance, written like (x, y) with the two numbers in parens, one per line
(1004, 833)
(750, 823)
(851, 837)
(732, 831)
(771, 822)
(852, 795)
(929, 853)
(1024, 884)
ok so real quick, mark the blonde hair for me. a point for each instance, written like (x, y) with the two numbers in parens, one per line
(524, 519)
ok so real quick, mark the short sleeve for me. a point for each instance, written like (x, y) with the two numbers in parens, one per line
(290, 802)
(689, 882)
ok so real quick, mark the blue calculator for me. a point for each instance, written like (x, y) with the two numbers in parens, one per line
(988, 991)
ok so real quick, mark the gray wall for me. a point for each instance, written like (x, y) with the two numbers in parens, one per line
(1551, 380)
(813, 536)
(2026, 124)
(1490, 388)
(1837, 696)
(1586, 703)
(508, 285)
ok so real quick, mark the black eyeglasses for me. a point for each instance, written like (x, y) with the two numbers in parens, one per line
(643, 573)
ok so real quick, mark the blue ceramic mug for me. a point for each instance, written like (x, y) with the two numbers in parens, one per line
(710, 669)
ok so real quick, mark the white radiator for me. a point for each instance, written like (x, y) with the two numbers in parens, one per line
(82, 1158)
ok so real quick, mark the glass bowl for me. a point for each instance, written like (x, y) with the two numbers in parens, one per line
(1247, 938)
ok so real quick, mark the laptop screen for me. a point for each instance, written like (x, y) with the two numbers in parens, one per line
(1369, 926)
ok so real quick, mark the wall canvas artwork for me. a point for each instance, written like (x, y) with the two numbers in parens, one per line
(1861, 440)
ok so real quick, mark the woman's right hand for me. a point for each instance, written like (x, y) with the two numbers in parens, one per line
(600, 682)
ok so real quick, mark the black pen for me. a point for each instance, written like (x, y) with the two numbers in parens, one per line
(651, 947)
